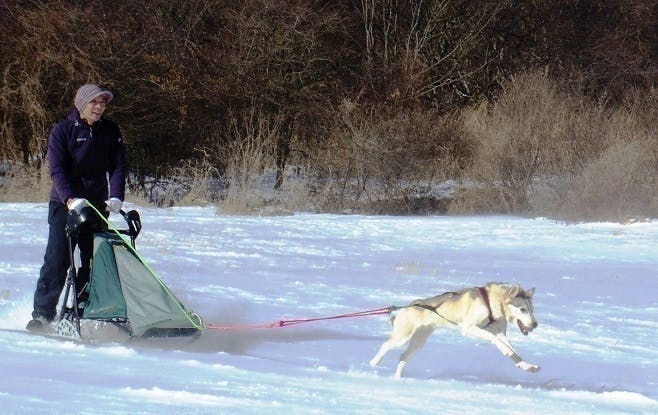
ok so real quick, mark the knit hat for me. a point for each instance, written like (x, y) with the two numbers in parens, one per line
(89, 92)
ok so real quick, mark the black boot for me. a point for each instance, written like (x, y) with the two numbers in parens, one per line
(38, 323)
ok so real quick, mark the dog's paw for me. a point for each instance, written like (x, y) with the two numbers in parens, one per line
(373, 363)
(528, 367)
(400, 368)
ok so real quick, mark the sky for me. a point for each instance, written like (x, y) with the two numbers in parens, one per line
(596, 303)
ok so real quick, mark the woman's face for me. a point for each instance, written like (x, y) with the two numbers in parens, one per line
(93, 110)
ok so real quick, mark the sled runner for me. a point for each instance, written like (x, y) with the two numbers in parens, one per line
(123, 298)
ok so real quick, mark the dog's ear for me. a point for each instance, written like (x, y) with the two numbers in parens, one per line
(514, 291)
(530, 292)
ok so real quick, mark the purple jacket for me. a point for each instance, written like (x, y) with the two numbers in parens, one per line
(81, 158)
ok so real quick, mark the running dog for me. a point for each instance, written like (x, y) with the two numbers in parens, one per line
(480, 312)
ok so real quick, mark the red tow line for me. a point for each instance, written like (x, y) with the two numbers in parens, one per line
(285, 323)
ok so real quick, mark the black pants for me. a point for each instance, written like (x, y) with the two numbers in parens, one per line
(56, 262)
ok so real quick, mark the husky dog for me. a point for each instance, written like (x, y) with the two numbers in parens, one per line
(479, 312)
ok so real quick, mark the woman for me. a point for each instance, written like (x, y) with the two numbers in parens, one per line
(85, 153)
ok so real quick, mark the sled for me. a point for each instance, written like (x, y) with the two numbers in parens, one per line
(124, 299)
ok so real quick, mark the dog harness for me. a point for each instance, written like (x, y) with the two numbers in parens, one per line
(485, 297)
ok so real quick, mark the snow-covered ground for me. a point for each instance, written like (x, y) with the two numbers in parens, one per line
(596, 303)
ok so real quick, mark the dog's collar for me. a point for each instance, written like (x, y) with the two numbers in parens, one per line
(485, 296)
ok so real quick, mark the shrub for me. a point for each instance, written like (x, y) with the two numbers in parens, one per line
(619, 182)
(386, 163)
(523, 135)
(20, 183)
(540, 150)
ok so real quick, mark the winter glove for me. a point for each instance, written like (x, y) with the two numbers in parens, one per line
(114, 205)
(77, 204)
